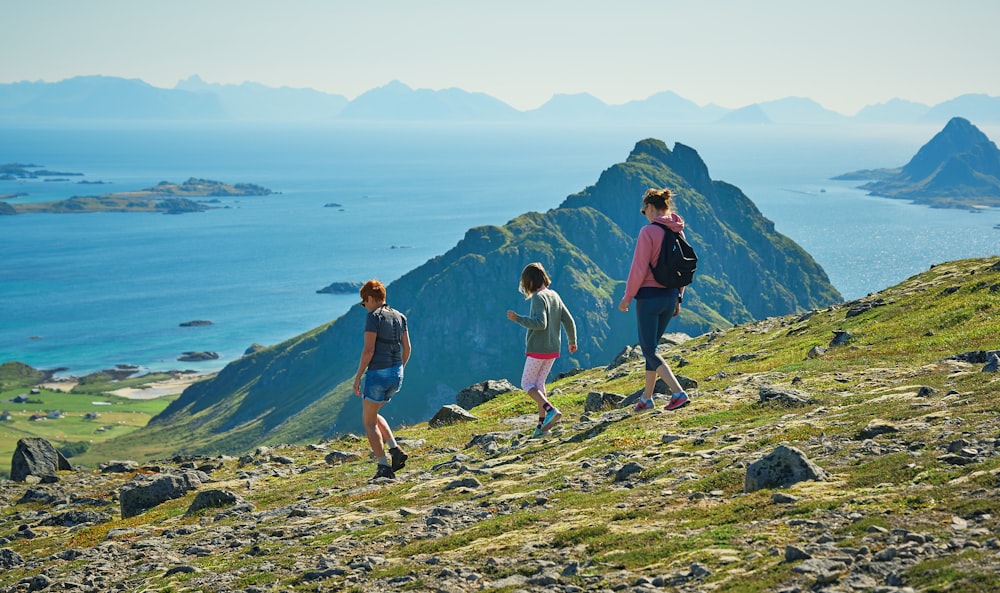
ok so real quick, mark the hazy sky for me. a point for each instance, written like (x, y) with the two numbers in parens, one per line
(844, 54)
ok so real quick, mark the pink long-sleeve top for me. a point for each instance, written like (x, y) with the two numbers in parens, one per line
(647, 250)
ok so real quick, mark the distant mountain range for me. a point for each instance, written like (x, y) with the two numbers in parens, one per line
(300, 389)
(111, 98)
(958, 168)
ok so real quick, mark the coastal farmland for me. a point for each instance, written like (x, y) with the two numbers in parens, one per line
(72, 420)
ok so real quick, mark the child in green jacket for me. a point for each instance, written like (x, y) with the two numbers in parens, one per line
(548, 314)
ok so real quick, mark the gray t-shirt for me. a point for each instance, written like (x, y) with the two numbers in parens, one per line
(388, 325)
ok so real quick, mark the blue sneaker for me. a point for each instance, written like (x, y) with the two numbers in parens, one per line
(643, 404)
(678, 400)
(538, 433)
(551, 417)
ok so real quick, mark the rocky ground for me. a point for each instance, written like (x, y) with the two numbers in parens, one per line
(901, 426)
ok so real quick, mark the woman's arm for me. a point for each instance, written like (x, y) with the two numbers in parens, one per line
(405, 341)
(366, 357)
(639, 268)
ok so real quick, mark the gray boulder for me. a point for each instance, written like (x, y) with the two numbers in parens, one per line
(146, 492)
(450, 414)
(875, 428)
(975, 356)
(214, 498)
(627, 354)
(9, 559)
(598, 401)
(479, 393)
(338, 457)
(785, 396)
(118, 467)
(840, 337)
(781, 468)
(76, 517)
(816, 352)
(36, 456)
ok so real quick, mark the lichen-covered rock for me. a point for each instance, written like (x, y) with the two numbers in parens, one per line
(781, 468)
(479, 393)
(450, 414)
(145, 492)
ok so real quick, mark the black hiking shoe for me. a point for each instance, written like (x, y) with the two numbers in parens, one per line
(398, 458)
(384, 471)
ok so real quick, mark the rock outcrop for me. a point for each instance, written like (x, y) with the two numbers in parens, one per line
(37, 457)
(146, 492)
(781, 468)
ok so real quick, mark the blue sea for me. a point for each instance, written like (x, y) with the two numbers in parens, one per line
(358, 201)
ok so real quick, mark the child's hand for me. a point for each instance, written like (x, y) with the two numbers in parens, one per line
(572, 348)
(511, 315)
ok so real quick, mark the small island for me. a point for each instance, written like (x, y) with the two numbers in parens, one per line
(165, 197)
(192, 356)
(349, 287)
(12, 171)
(958, 168)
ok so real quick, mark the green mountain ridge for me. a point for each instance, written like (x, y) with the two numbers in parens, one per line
(300, 390)
(901, 419)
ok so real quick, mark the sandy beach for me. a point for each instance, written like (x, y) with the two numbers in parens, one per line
(173, 386)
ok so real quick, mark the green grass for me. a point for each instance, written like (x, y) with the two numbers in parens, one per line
(953, 574)
(72, 433)
(488, 529)
(558, 498)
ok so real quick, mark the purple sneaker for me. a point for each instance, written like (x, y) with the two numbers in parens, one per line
(642, 405)
(678, 400)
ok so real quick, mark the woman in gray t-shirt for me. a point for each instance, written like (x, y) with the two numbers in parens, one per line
(385, 353)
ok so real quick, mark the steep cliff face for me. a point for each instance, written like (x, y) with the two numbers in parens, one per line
(456, 303)
(746, 270)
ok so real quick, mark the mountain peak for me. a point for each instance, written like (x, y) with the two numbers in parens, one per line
(959, 137)
(962, 131)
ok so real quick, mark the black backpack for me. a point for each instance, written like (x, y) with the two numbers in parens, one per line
(676, 264)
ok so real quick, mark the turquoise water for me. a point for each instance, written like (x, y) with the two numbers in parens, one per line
(88, 292)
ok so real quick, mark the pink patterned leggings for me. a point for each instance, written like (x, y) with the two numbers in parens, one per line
(536, 370)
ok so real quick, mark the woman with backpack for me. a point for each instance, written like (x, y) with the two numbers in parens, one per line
(655, 304)
(384, 355)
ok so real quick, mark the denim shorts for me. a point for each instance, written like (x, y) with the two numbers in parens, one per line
(380, 385)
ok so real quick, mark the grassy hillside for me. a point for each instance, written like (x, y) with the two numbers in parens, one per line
(902, 417)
